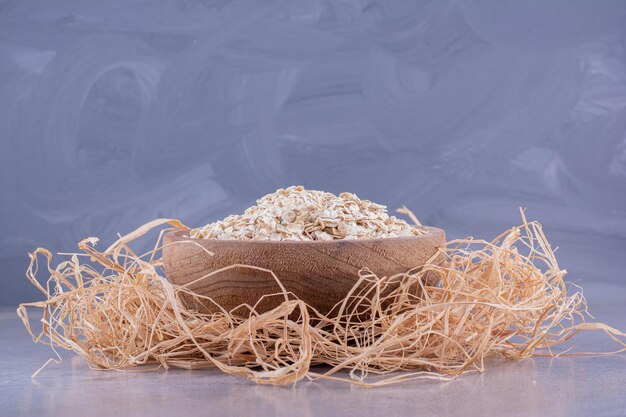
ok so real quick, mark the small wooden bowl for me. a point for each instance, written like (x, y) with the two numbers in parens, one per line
(321, 273)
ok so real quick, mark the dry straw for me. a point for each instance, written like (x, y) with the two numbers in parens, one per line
(506, 297)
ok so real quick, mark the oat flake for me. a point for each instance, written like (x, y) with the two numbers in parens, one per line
(298, 214)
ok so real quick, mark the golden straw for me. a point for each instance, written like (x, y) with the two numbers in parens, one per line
(506, 297)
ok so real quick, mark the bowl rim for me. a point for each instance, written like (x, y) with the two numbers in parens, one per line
(431, 232)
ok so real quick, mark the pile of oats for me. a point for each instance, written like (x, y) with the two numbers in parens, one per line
(298, 214)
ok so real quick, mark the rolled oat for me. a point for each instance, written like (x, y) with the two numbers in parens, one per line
(295, 213)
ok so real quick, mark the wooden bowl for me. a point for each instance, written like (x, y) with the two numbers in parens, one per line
(321, 273)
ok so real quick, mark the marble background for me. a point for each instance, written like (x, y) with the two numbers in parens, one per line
(113, 113)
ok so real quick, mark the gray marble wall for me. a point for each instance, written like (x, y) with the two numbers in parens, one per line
(113, 113)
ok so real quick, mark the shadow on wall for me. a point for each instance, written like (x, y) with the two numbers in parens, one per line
(114, 113)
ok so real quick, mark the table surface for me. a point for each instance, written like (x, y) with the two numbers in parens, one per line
(567, 386)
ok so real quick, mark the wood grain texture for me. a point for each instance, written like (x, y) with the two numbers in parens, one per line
(319, 272)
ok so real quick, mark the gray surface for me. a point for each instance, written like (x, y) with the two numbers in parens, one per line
(115, 112)
(565, 386)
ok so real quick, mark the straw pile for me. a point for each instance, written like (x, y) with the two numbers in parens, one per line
(506, 297)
